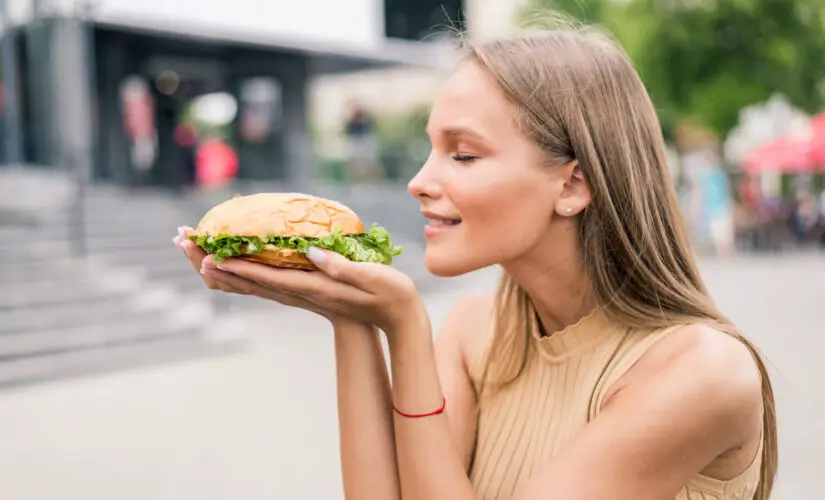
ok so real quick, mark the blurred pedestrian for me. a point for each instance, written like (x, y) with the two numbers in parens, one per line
(186, 137)
(362, 143)
(720, 211)
(822, 218)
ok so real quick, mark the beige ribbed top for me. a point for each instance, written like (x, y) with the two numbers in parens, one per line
(560, 390)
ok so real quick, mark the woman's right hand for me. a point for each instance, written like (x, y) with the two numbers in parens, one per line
(213, 280)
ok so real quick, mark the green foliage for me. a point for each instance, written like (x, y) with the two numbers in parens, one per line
(704, 60)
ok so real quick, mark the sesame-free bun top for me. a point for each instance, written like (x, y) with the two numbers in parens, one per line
(279, 214)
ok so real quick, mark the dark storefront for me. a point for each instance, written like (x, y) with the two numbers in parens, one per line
(108, 99)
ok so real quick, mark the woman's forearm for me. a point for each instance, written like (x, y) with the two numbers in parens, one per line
(367, 444)
(429, 465)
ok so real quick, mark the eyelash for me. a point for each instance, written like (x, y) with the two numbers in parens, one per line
(464, 158)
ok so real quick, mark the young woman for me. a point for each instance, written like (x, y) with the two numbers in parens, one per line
(601, 368)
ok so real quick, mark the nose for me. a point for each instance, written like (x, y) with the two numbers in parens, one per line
(425, 185)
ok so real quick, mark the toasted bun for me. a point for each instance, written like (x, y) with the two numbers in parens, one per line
(285, 257)
(279, 214)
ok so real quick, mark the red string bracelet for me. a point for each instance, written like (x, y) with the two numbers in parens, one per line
(422, 415)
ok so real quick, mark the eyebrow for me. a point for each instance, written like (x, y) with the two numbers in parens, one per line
(458, 131)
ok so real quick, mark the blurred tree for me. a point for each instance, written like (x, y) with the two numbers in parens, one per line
(703, 60)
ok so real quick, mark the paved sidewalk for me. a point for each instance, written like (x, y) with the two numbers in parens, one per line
(261, 424)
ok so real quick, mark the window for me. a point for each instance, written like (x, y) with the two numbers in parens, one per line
(422, 19)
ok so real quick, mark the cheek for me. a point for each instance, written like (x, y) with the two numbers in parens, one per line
(508, 214)
(502, 218)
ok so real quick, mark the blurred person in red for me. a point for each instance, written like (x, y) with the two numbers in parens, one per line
(216, 163)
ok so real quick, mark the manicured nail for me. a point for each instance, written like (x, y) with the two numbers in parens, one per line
(179, 238)
(316, 255)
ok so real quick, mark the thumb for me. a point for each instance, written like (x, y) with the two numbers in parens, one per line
(337, 267)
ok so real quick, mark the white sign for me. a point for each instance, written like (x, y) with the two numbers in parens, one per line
(350, 23)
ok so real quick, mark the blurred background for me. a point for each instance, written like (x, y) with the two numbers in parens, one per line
(121, 377)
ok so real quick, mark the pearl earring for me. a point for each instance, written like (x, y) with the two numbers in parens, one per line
(568, 210)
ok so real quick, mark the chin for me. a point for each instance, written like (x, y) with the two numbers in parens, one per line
(449, 265)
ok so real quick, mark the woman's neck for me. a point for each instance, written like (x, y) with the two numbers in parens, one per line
(557, 284)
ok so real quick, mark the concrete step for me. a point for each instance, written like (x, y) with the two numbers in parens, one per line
(57, 267)
(155, 229)
(135, 216)
(126, 329)
(54, 248)
(170, 269)
(18, 271)
(182, 345)
(96, 261)
(39, 272)
(38, 296)
(60, 264)
(146, 257)
(114, 216)
(72, 314)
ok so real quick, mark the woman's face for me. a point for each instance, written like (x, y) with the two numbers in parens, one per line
(486, 190)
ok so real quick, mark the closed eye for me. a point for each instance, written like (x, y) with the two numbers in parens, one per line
(464, 158)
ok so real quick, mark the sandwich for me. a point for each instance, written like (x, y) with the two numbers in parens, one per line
(278, 229)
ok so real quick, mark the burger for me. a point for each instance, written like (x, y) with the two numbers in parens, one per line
(278, 229)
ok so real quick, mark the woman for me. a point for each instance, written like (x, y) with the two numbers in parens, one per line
(601, 368)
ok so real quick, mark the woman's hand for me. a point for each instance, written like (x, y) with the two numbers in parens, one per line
(369, 293)
(215, 279)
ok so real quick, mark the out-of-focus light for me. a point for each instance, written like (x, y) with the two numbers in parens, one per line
(216, 109)
(167, 82)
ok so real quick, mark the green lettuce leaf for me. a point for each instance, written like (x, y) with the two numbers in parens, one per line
(372, 246)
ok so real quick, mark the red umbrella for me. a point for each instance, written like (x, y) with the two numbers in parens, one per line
(818, 141)
(796, 153)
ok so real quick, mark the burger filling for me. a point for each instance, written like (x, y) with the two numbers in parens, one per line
(372, 246)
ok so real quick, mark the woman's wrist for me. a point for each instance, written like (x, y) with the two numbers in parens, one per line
(414, 325)
(348, 326)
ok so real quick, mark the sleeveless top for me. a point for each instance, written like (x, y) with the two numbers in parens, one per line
(560, 390)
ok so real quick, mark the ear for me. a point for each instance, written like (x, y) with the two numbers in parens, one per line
(575, 195)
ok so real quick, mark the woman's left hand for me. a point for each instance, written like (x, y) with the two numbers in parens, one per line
(371, 293)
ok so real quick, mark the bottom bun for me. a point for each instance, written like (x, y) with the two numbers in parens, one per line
(285, 257)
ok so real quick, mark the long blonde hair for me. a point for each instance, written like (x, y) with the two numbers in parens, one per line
(577, 95)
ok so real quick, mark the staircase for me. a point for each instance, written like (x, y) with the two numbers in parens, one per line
(133, 299)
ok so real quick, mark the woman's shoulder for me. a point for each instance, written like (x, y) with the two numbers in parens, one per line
(703, 364)
(715, 356)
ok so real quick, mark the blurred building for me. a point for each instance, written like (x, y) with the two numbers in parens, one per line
(102, 85)
(398, 89)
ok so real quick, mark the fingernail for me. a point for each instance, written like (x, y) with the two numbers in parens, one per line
(206, 266)
(316, 255)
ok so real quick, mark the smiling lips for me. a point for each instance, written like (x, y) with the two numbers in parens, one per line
(437, 224)
(444, 222)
